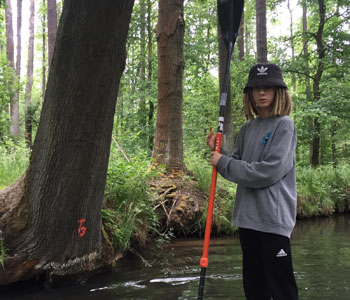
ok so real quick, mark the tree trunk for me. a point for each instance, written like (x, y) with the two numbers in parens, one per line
(333, 142)
(29, 85)
(10, 48)
(53, 226)
(150, 67)
(240, 39)
(228, 141)
(14, 129)
(168, 146)
(307, 77)
(43, 70)
(292, 42)
(315, 153)
(51, 26)
(261, 35)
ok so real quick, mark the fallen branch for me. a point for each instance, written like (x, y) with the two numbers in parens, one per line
(120, 149)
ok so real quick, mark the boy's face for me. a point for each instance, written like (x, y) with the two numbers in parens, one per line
(263, 97)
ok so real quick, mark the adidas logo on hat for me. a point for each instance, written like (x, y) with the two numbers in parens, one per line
(265, 74)
(262, 70)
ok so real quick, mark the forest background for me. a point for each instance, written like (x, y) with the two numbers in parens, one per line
(309, 39)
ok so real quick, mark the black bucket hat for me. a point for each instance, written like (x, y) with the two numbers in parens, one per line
(266, 74)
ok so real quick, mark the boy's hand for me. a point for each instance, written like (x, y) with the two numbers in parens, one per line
(215, 157)
(211, 139)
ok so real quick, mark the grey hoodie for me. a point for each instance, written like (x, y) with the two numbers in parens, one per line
(263, 166)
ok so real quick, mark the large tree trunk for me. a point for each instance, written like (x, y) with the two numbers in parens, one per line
(51, 26)
(29, 85)
(52, 224)
(261, 35)
(168, 146)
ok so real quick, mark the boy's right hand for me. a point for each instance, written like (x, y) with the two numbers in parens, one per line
(211, 139)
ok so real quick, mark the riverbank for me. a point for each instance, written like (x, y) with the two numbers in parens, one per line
(321, 269)
(145, 203)
(163, 205)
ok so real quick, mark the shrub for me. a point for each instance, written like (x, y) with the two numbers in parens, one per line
(128, 211)
(14, 160)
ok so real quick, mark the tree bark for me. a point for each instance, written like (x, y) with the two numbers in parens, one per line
(43, 69)
(10, 48)
(315, 153)
(29, 85)
(240, 39)
(149, 76)
(53, 225)
(51, 26)
(168, 146)
(261, 35)
(292, 42)
(14, 128)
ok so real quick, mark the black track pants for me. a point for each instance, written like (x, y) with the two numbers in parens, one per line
(267, 266)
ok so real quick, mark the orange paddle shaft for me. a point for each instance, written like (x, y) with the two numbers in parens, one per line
(204, 259)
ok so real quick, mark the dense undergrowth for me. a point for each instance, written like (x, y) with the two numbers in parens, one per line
(129, 216)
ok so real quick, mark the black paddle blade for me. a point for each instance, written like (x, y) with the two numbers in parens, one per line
(230, 13)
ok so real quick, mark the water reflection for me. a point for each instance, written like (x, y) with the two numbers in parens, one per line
(321, 253)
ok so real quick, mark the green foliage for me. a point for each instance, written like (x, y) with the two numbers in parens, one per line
(13, 162)
(128, 211)
(8, 86)
(323, 191)
(224, 198)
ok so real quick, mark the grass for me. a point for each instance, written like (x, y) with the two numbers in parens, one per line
(323, 191)
(224, 198)
(128, 213)
(13, 163)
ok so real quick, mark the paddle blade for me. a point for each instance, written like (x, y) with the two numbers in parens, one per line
(230, 13)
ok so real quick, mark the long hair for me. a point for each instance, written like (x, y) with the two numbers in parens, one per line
(281, 105)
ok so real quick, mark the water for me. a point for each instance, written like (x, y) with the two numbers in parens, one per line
(321, 254)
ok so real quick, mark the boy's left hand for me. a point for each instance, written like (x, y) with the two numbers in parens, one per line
(215, 157)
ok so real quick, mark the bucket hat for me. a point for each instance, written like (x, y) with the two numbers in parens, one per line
(265, 74)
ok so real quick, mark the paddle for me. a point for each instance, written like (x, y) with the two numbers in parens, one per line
(229, 13)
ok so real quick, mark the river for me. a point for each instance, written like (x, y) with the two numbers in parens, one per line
(321, 255)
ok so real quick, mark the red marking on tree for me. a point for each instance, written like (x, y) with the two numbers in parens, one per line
(82, 229)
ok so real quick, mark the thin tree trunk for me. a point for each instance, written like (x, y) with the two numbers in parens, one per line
(52, 224)
(292, 41)
(10, 49)
(149, 74)
(29, 116)
(51, 26)
(43, 73)
(315, 154)
(307, 77)
(168, 146)
(143, 115)
(240, 39)
(261, 35)
(333, 142)
(14, 129)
